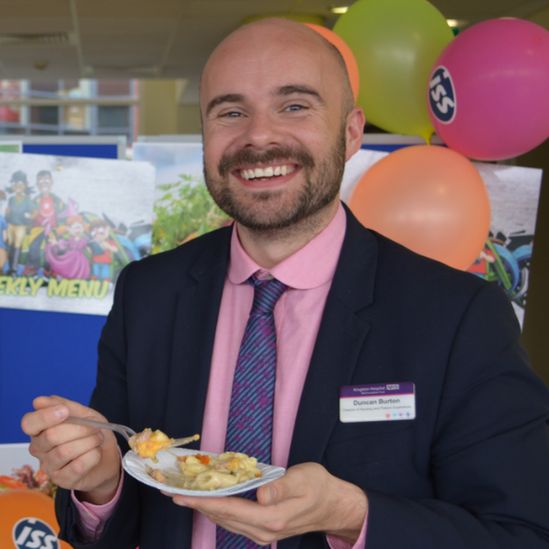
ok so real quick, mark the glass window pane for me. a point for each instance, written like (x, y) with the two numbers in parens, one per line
(69, 85)
(9, 114)
(75, 117)
(113, 87)
(44, 89)
(44, 115)
(113, 117)
(75, 89)
(10, 89)
(13, 131)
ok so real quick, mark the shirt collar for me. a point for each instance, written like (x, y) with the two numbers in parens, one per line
(309, 267)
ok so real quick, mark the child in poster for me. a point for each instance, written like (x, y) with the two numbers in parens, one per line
(18, 217)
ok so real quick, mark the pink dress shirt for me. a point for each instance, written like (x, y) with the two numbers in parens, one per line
(308, 274)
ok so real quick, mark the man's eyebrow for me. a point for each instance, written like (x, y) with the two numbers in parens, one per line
(299, 88)
(226, 98)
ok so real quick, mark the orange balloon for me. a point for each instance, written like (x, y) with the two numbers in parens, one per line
(346, 53)
(430, 199)
(28, 519)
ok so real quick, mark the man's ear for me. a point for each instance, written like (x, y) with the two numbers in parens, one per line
(354, 131)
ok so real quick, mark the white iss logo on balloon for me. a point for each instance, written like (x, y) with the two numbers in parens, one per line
(32, 533)
(442, 97)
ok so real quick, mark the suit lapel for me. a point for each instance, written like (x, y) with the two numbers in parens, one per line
(340, 338)
(194, 326)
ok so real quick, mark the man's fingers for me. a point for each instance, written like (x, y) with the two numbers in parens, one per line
(62, 454)
(271, 493)
(59, 435)
(53, 410)
(286, 487)
(75, 408)
(234, 514)
(257, 522)
(237, 512)
(44, 402)
(33, 423)
(229, 508)
(76, 469)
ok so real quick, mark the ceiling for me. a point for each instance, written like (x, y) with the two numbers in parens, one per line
(53, 39)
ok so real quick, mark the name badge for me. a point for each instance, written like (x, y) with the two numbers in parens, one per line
(377, 402)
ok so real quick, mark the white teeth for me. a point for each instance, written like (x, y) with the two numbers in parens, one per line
(269, 171)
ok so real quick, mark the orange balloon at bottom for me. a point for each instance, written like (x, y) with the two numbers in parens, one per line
(429, 199)
(27, 519)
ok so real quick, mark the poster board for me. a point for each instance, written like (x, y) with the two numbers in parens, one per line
(48, 352)
(70, 225)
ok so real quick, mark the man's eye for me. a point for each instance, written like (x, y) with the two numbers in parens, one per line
(295, 107)
(230, 114)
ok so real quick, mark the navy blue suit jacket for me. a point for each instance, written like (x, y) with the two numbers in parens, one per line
(470, 472)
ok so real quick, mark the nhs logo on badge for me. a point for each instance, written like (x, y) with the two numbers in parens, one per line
(32, 533)
(442, 97)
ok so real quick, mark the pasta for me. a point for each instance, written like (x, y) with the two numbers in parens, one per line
(205, 472)
(148, 443)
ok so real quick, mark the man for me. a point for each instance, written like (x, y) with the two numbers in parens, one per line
(469, 471)
(18, 218)
(103, 248)
(48, 208)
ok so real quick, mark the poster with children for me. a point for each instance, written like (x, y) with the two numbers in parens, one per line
(67, 228)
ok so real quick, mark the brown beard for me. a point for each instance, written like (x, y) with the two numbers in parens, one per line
(315, 194)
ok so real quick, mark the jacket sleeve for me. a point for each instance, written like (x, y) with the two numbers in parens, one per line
(109, 398)
(490, 452)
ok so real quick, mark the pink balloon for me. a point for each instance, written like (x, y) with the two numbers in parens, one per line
(489, 91)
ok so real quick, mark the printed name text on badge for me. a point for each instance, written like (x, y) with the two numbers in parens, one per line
(377, 402)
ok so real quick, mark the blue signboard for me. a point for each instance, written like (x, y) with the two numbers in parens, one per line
(45, 353)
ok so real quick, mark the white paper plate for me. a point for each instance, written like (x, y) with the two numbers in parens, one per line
(137, 468)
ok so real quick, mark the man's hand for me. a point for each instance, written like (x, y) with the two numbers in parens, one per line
(74, 456)
(306, 499)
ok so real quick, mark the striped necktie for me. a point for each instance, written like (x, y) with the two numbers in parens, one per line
(250, 424)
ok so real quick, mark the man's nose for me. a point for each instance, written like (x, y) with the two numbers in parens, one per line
(261, 131)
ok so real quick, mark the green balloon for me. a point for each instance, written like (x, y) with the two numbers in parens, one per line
(396, 43)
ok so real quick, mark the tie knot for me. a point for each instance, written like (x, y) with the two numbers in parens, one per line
(267, 293)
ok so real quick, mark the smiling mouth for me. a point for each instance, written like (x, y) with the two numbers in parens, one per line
(268, 172)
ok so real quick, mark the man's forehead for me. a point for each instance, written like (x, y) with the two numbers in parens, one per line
(268, 33)
(257, 46)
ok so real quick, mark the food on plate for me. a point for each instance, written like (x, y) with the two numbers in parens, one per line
(26, 478)
(207, 472)
(148, 443)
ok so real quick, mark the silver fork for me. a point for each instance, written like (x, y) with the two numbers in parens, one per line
(124, 430)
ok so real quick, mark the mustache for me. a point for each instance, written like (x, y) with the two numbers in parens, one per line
(249, 156)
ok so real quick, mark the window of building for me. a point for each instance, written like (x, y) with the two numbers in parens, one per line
(76, 117)
(44, 89)
(44, 115)
(114, 88)
(113, 117)
(72, 107)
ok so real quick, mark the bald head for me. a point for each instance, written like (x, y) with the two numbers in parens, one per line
(245, 48)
